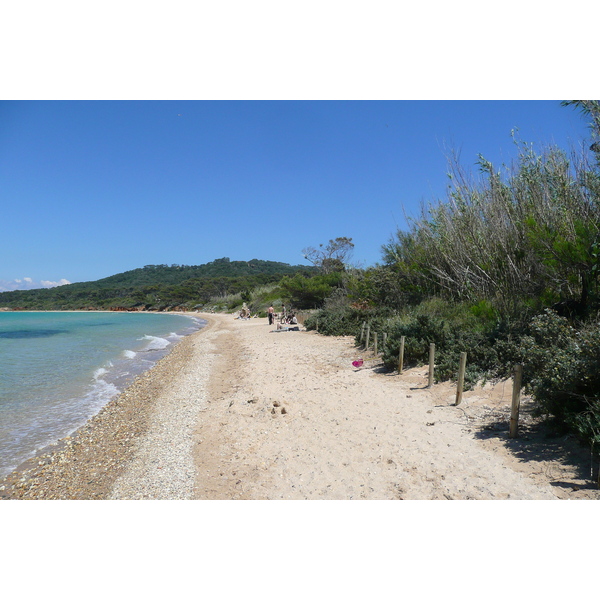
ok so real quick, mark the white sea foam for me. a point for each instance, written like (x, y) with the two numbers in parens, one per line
(81, 408)
(101, 393)
(99, 372)
(155, 343)
(129, 354)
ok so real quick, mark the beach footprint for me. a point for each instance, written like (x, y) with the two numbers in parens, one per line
(278, 408)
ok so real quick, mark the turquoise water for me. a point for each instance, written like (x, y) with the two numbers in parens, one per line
(59, 369)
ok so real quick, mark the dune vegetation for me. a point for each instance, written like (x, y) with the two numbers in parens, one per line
(506, 269)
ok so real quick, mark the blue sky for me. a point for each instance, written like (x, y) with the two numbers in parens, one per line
(186, 132)
(94, 188)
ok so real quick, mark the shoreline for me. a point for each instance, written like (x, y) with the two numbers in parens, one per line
(114, 374)
(103, 444)
(237, 411)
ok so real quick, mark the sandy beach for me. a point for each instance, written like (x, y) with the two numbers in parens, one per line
(240, 411)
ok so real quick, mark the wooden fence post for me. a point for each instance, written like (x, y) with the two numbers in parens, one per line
(375, 343)
(317, 326)
(384, 342)
(431, 361)
(362, 333)
(367, 338)
(516, 402)
(401, 355)
(461, 377)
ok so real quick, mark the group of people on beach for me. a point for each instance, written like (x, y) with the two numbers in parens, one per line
(284, 318)
(290, 319)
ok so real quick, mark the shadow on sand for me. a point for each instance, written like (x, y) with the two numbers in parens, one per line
(538, 442)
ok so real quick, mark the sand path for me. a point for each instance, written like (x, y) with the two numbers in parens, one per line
(290, 418)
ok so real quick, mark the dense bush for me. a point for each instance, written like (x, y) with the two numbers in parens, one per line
(450, 340)
(347, 320)
(309, 292)
(528, 232)
(561, 369)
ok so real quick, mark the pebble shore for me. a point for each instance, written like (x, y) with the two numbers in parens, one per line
(163, 467)
(138, 446)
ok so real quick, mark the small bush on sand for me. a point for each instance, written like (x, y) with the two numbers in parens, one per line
(561, 369)
(347, 320)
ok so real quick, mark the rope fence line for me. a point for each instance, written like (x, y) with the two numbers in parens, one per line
(367, 335)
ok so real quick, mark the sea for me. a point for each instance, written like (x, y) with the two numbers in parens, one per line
(58, 369)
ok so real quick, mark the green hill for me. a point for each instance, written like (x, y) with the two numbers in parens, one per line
(157, 287)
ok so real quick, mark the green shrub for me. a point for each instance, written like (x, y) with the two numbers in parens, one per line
(348, 320)
(309, 292)
(450, 340)
(561, 369)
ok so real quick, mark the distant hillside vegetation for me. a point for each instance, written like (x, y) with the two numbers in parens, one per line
(157, 287)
